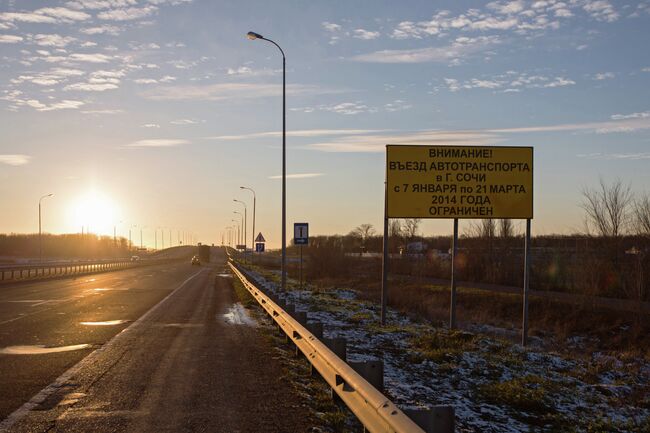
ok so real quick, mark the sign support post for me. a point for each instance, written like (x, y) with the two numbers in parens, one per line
(524, 327)
(454, 252)
(300, 267)
(384, 262)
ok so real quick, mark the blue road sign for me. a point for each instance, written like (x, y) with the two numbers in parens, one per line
(301, 233)
(259, 247)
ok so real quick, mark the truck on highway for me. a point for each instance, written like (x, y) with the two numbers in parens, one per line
(204, 253)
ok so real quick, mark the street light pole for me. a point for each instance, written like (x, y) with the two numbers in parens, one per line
(254, 205)
(253, 36)
(40, 233)
(245, 224)
(242, 226)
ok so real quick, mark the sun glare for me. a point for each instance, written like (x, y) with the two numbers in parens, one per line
(96, 213)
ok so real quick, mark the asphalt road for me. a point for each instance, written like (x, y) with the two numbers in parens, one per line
(183, 359)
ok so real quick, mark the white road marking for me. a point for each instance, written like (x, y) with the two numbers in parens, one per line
(104, 323)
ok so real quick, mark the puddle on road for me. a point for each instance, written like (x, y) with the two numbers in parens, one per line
(181, 325)
(40, 350)
(108, 289)
(237, 315)
(104, 323)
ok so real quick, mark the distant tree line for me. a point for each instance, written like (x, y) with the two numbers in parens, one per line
(65, 246)
(608, 258)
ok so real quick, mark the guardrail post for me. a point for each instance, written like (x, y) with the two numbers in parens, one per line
(372, 371)
(300, 317)
(438, 419)
(316, 328)
(338, 345)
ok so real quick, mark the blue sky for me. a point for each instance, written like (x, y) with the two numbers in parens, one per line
(161, 109)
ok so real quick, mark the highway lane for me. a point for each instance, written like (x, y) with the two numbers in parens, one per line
(192, 363)
(51, 313)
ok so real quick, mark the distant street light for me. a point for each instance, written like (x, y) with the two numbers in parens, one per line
(245, 224)
(141, 244)
(40, 233)
(254, 205)
(131, 243)
(238, 237)
(252, 36)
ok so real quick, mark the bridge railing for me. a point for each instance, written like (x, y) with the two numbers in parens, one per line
(16, 273)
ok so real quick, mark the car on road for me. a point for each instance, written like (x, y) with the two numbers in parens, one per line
(135, 258)
(196, 261)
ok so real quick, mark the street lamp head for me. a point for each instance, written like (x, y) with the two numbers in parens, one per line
(49, 195)
(252, 36)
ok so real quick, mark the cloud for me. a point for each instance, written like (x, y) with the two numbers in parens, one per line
(460, 48)
(397, 105)
(225, 91)
(65, 104)
(100, 30)
(51, 15)
(511, 81)
(249, 72)
(91, 87)
(158, 142)
(89, 58)
(377, 143)
(616, 156)
(15, 160)
(151, 125)
(52, 40)
(365, 34)
(601, 10)
(604, 76)
(642, 115)
(126, 14)
(184, 122)
(507, 8)
(305, 133)
(100, 4)
(107, 111)
(10, 39)
(298, 176)
(331, 27)
(145, 81)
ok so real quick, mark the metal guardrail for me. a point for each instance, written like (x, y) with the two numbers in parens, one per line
(375, 411)
(54, 270)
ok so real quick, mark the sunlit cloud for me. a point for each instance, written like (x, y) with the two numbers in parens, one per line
(298, 176)
(15, 160)
(158, 142)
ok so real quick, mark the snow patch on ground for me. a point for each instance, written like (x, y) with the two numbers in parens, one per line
(493, 385)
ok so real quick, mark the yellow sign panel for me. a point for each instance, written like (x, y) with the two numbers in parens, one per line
(459, 182)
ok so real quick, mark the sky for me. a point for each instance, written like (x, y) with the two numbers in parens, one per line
(152, 113)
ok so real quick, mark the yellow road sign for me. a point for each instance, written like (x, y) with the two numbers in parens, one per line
(459, 182)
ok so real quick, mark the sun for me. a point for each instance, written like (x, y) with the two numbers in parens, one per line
(96, 213)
